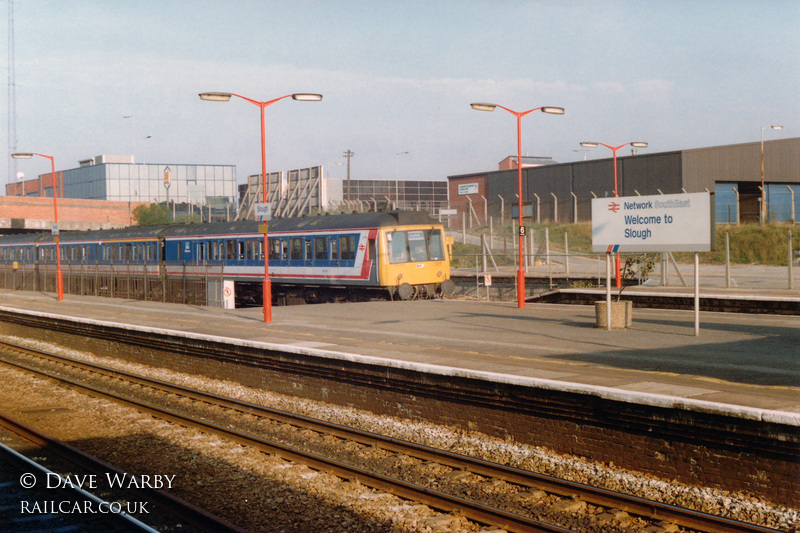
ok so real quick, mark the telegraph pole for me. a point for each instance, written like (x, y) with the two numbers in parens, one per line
(348, 154)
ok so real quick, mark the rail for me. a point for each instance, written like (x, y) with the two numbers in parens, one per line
(471, 509)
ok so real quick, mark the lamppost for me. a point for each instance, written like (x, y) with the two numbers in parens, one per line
(521, 231)
(224, 97)
(59, 279)
(635, 144)
(763, 213)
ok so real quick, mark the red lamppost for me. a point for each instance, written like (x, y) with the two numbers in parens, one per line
(636, 144)
(519, 115)
(224, 97)
(59, 279)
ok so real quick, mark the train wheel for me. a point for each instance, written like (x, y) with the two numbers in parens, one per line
(405, 291)
(447, 288)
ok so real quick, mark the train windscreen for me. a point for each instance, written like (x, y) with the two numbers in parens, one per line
(415, 246)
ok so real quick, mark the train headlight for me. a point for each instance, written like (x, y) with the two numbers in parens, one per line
(399, 276)
(439, 274)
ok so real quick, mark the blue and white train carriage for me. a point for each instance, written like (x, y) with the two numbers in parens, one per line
(399, 254)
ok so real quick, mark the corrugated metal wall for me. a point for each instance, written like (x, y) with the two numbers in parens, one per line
(646, 174)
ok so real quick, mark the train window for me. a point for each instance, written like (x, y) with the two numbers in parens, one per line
(321, 248)
(334, 249)
(201, 251)
(248, 250)
(435, 246)
(241, 249)
(276, 247)
(416, 246)
(347, 247)
(398, 246)
(309, 249)
(296, 249)
(230, 250)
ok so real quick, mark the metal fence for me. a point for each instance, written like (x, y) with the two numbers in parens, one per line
(119, 281)
(552, 264)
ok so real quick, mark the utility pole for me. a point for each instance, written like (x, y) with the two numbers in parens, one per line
(12, 98)
(348, 154)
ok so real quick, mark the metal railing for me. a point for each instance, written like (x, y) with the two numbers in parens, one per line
(132, 282)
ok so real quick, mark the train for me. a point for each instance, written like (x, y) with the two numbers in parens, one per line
(393, 255)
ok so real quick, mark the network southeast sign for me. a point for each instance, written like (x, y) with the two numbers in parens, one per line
(663, 223)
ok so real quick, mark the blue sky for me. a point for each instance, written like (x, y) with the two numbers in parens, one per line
(397, 77)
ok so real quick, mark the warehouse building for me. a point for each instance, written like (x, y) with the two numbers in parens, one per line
(563, 192)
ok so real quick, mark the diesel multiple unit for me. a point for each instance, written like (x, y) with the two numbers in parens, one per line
(398, 254)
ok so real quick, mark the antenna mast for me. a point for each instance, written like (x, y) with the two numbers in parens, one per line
(12, 97)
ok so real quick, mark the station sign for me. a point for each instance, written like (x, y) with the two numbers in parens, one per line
(659, 223)
(263, 211)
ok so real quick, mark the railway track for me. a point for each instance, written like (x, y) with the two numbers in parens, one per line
(569, 494)
(30, 499)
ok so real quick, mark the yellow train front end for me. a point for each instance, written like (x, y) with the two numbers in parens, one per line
(414, 261)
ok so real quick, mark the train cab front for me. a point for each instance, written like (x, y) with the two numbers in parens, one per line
(415, 262)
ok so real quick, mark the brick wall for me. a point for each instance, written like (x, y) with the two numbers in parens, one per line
(71, 212)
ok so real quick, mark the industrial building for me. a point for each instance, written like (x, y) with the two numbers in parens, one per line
(563, 192)
(119, 179)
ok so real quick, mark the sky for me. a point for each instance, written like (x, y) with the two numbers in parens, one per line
(397, 79)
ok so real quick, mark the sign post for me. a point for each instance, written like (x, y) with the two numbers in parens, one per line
(662, 223)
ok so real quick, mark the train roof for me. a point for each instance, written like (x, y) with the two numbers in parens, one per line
(20, 238)
(121, 234)
(319, 222)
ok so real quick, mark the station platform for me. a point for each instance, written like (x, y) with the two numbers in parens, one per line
(748, 365)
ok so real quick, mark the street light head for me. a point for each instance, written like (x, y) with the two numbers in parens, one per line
(553, 110)
(777, 127)
(307, 97)
(22, 156)
(215, 97)
(639, 144)
(589, 144)
(483, 107)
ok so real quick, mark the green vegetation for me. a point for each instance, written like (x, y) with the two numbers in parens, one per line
(158, 215)
(749, 243)
(151, 214)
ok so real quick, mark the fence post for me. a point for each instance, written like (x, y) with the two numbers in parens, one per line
(791, 281)
(566, 252)
(547, 245)
(574, 208)
(727, 261)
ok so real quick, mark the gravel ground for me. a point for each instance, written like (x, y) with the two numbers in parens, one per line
(266, 493)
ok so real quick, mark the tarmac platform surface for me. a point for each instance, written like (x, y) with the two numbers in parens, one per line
(738, 363)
